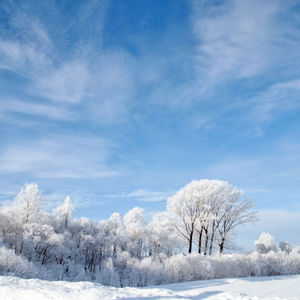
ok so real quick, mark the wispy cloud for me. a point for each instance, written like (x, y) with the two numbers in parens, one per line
(242, 61)
(100, 81)
(23, 58)
(148, 196)
(144, 195)
(276, 100)
(57, 156)
(234, 38)
(266, 177)
(66, 83)
(36, 109)
(175, 95)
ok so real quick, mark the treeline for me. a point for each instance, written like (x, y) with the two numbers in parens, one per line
(129, 251)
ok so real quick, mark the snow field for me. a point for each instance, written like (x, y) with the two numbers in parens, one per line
(254, 288)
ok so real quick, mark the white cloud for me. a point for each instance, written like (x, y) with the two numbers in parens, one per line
(98, 83)
(112, 87)
(57, 156)
(234, 38)
(36, 109)
(66, 83)
(276, 100)
(144, 195)
(22, 58)
(148, 196)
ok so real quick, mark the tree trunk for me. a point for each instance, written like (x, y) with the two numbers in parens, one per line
(221, 246)
(212, 238)
(191, 241)
(200, 241)
(206, 241)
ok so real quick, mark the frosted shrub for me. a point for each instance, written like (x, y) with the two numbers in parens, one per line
(108, 275)
(230, 265)
(124, 265)
(268, 264)
(292, 262)
(200, 268)
(196, 267)
(150, 271)
(12, 264)
(190, 267)
(176, 267)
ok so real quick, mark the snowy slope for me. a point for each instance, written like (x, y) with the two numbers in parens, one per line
(275, 288)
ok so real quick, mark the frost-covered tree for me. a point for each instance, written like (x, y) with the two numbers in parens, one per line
(114, 233)
(208, 207)
(134, 220)
(265, 243)
(162, 238)
(130, 251)
(11, 230)
(234, 212)
(64, 212)
(135, 224)
(184, 209)
(214, 193)
(108, 274)
(28, 203)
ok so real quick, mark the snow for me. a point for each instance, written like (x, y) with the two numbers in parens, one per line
(254, 288)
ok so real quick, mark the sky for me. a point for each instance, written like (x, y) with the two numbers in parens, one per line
(121, 103)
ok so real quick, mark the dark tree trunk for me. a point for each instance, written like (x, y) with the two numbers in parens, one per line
(191, 241)
(206, 241)
(212, 238)
(200, 241)
(221, 246)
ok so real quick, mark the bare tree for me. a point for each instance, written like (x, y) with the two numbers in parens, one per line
(208, 207)
(184, 208)
(234, 213)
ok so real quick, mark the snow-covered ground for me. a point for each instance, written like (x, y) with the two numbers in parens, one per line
(255, 288)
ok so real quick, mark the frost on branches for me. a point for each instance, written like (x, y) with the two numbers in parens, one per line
(209, 210)
(129, 251)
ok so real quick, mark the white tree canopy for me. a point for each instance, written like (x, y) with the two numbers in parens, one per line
(209, 207)
(65, 211)
(28, 203)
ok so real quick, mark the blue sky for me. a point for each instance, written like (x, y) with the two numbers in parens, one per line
(121, 103)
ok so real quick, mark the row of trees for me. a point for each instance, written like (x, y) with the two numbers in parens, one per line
(81, 249)
(211, 210)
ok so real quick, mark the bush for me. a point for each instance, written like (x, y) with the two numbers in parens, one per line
(12, 264)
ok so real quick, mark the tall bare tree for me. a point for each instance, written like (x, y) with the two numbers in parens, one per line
(209, 208)
(234, 213)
